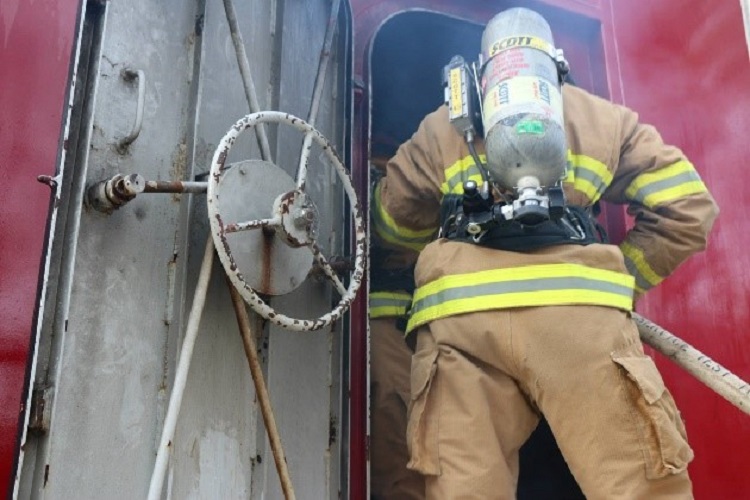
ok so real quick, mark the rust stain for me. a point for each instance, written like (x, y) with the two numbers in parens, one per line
(269, 237)
(225, 243)
(48, 180)
(220, 161)
(179, 167)
(286, 202)
(332, 430)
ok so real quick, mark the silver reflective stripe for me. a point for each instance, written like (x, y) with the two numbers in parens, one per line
(508, 287)
(595, 179)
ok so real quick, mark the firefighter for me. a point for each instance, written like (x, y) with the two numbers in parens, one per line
(521, 308)
(390, 360)
(391, 288)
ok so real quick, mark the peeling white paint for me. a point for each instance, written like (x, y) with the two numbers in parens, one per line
(219, 475)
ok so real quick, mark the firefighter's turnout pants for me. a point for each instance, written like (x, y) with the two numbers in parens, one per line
(480, 381)
(390, 360)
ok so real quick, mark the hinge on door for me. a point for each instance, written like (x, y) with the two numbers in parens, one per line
(41, 410)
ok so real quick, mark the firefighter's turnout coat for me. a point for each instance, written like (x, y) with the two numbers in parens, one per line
(611, 157)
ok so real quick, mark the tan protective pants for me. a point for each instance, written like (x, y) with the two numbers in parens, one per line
(390, 361)
(480, 380)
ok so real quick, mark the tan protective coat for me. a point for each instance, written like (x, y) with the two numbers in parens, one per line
(479, 379)
(603, 136)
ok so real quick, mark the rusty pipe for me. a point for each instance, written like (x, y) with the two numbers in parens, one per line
(261, 391)
(175, 187)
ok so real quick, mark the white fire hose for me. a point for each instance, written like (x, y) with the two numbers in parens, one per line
(712, 374)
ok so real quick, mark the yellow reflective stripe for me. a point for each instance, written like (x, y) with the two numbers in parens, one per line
(458, 188)
(527, 286)
(408, 233)
(670, 183)
(459, 172)
(588, 175)
(522, 299)
(635, 261)
(391, 232)
(389, 304)
(675, 193)
(540, 271)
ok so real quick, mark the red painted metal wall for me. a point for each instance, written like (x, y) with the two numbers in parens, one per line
(36, 47)
(685, 67)
(683, 64)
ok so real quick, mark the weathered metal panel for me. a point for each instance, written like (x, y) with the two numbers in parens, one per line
(216, 441)
(112, 356)
(306, 412)
(302, 368)
(108, 365)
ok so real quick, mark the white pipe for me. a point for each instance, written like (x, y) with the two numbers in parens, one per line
(320, 78)
(180, 379)
(745, 4)
(247, 77)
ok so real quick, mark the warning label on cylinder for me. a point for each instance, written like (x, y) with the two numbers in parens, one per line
(457, 102)
(509, 64)
(524, 94)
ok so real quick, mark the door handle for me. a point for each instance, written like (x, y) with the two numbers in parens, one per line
(139, 76)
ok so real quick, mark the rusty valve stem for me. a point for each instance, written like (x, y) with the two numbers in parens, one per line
(107, 196)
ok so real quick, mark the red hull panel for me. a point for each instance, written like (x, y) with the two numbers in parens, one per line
(685, 67)
(683, 64)
(35, 56)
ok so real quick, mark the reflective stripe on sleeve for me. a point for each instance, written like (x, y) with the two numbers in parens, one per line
(389, 304)
(391, 232)
(664, 185)
(635, 261)
(527, 286)
(588, 175)
(463, 170)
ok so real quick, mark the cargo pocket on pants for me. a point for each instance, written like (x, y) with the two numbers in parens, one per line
(421, 432)
(660, 427)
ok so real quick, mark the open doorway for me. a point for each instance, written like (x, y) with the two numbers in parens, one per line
(407, 59)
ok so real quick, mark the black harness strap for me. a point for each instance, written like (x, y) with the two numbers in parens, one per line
(576, 226)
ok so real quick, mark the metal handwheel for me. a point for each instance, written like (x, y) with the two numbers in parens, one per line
(264, 224)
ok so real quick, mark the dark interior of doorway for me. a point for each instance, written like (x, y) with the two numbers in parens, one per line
(408, 55)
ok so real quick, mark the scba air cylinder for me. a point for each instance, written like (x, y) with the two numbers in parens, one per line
(522, 110)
